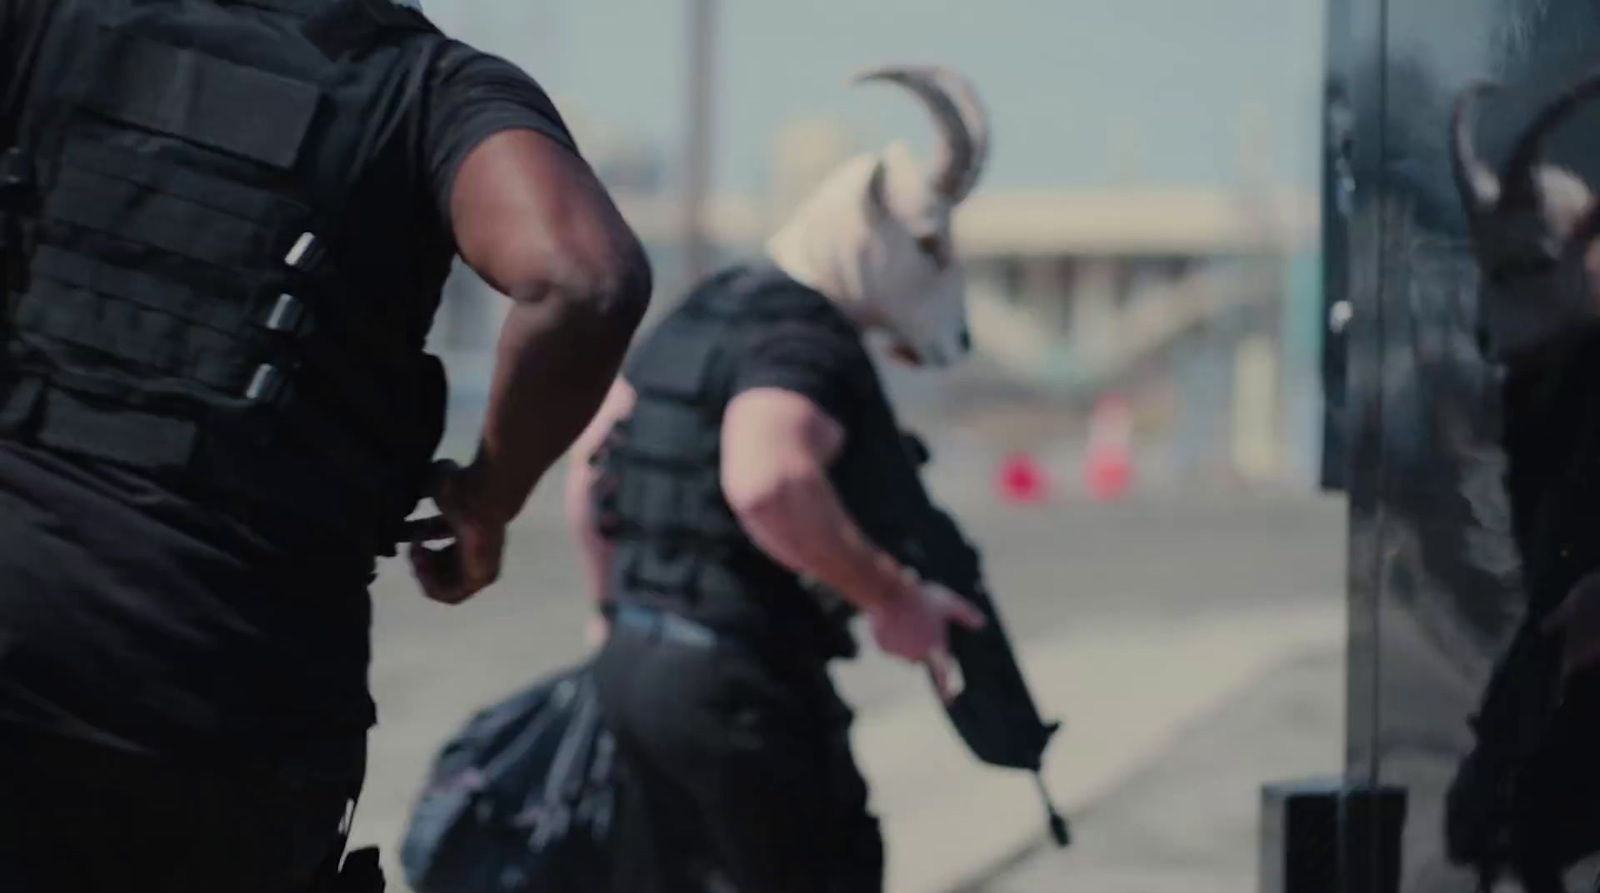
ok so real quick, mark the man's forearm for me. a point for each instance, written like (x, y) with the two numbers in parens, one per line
(803, 525)
(556, 359)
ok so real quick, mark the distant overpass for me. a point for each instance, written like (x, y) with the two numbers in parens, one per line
(1069, 287)
(1036, 222)
(1072, 292)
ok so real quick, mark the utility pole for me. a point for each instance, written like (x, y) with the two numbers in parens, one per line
(698, 149)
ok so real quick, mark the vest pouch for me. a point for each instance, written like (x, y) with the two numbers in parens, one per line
(203, 99)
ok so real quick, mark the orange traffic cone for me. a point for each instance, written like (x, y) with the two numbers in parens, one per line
(1022, 480)
(1108, 467)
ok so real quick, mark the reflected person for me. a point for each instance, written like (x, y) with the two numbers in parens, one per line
(1526, 799)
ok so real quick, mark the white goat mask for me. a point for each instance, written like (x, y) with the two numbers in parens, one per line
(875, 237)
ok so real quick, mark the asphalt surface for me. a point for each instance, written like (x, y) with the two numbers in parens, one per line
(1189, 821)
(1055, 569)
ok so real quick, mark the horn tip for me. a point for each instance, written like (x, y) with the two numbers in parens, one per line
(879, 73)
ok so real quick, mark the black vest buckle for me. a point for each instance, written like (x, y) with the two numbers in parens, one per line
(16, 179)
(19, 199)
(286, 314)
(306, 254)
(265, 384)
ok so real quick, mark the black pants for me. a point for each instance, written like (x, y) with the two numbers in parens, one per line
(78, 818)
(740, 776)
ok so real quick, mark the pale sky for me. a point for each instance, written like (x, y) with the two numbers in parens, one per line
(1082, 92)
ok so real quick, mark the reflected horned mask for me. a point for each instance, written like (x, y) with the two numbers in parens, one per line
(875, 237)
(1533, 229)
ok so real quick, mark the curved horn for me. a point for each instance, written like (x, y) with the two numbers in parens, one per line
(1519, 170)
(962, 121)
(1475, 180)
(976, 116)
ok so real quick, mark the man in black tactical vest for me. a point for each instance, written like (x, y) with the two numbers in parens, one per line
(739, 497)
(224, 229)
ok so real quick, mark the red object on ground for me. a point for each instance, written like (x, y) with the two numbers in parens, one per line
(1108, 467)
(1022, 480)
(1107, 474)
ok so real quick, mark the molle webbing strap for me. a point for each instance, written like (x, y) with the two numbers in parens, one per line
(221, 194)
(166, 222)
(55, 270)
(153, 341)
(348, 26)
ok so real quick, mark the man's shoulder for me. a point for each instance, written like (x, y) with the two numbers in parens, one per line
(470, 85)
(456, 57)
(20, 17)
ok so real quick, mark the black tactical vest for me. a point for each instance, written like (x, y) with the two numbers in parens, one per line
(215, 270)
(678, 544)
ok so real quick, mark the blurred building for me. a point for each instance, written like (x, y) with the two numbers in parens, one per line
(1186, 300)
(1179, 299)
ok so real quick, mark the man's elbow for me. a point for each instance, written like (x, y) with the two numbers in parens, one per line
(763, 496)
(603, 292)
(622, 290)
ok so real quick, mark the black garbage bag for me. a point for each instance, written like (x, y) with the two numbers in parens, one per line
(522, 800)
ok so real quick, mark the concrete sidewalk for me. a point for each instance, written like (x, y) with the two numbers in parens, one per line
(1188, 821)
(1128, 694)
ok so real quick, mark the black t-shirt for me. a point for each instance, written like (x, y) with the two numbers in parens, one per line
(135, 618)
(810, 358)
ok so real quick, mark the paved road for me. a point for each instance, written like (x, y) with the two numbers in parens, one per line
(1057, 570)
(1188, 822)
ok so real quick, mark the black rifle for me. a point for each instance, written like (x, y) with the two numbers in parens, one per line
(995, 713)
(359, 873)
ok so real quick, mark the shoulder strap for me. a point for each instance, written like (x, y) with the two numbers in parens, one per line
(340, 27)
(349, 26)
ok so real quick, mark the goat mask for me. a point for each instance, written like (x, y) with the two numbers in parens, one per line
(1533, 228)
(875, 236)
